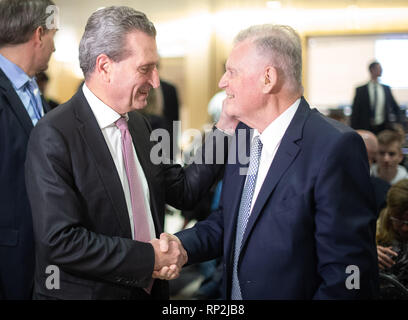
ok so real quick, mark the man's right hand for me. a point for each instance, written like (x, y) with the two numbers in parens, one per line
(170, 256)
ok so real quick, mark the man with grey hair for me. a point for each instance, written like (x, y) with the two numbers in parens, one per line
(26, 44)
(301, 223)
(97, 198)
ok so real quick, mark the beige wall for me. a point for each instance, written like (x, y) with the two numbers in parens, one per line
(195, 37)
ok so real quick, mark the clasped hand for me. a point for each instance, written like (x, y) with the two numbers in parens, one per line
(386, 257)
(169, 255)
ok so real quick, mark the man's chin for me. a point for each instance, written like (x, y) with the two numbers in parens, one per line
(229, 109)
(139, 105)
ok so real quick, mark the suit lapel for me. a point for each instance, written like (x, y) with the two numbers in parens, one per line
(285, 155)
(95, 141)
(15, 103)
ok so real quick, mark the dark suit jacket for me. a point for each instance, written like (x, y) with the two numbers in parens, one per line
(361, 114)
(170, 114)
(16, 234)
(80, 218)
(170, 101)
(314, 216)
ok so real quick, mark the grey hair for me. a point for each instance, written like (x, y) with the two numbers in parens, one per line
(105, 33)
(20, 18)
(282, 44)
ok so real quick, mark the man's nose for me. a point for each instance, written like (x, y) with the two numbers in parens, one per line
(223, 81)
(155, 80)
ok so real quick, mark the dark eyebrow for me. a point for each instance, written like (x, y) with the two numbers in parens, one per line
(147, 66)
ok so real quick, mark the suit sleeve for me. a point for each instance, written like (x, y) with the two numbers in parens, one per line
(356, 111)
(205, 240)
(186, 186)
(394, 107)
(60, 226)
(345, 223)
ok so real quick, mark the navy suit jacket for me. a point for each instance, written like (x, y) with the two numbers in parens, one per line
(361, 114)
(16, 234)
(314, 217)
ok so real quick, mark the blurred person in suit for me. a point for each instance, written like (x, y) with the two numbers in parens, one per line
(374, 107)
(304, 213)
(26, 45)
(162, 111)
(96, 193)
(42, 81)
(381, 186)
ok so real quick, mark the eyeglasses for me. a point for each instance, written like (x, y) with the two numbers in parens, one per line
(398, 221)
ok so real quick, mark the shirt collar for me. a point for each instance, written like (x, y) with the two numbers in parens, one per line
(105, 115)
(16, 75)
(275, 131)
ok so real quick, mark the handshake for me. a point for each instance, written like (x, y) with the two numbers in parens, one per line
(169, 257)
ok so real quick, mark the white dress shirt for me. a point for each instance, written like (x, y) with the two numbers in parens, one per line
(271, 139)
(380, 105)
(106, 118)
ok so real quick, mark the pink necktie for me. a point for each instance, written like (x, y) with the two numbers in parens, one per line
(141, 225)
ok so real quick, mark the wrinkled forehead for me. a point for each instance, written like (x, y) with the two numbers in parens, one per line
(142, 45)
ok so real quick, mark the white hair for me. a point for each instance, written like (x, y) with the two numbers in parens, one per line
(282, 44)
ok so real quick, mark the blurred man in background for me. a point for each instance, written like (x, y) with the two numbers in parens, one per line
(374, 107)
(26, 45)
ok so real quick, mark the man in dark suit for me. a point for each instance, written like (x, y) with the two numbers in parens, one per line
(42, 81)
(170, 102)
(26, 44)
(374, 107)
(301, 223)
(97, 199)
(381, 186)
(162, 111)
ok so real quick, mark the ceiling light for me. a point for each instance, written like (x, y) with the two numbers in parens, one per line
(273, 4)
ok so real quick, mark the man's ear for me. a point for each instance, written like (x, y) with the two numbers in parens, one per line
(38, 35)
(103, 67)
(270, 79)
